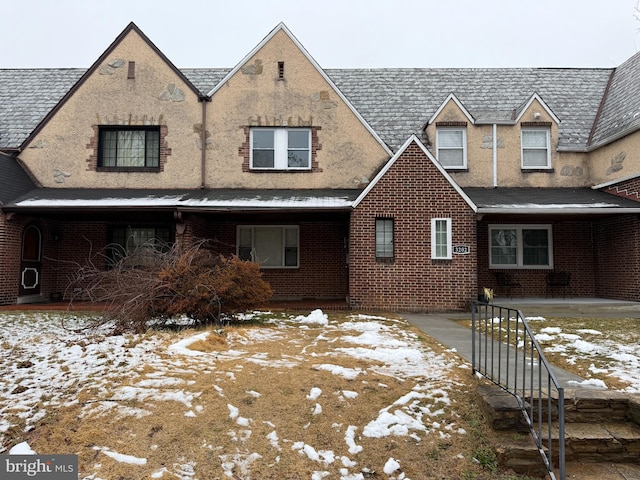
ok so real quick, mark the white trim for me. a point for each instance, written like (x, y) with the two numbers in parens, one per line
(615, 182)
(519, 244)
(439, 130)
(544, 105)
(389, 164)
(547, 149)
(434, 249)
(283, 245)
(282, 27)
(453, 98)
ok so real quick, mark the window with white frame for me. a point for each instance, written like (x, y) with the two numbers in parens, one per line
(280, 149)
(441, 238)
(384, 238)
(272, 246)
(535, 148)
(451, 147)
(520, 246)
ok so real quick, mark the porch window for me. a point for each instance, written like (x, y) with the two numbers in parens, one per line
(535, 148)
(280, 149)
(384, 238)
(441, 238)
(138, 244)
(129, 147)
(271, 246)
(520, 246)
(451, 147)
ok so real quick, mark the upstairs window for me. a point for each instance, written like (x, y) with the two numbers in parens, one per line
(521, 246)
(280, 149)
(441, 238)
(270, 246)
(129, 147)
(535, 148)
(384, 238)
(451, 147)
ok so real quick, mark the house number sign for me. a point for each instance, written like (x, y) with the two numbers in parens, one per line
(462, 249)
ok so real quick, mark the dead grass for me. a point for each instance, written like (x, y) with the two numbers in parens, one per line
(620, 331)
(270, 391)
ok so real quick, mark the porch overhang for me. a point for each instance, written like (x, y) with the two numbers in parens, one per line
(549, 201)
(188, 200)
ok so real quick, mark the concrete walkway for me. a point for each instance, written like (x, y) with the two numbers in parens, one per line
(452, 335)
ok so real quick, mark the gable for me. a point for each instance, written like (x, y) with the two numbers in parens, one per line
(279, 85)
(415, 170)
(131, 85)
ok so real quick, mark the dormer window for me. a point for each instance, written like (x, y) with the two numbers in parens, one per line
(280, 149)
(451, 147)
(535, 148)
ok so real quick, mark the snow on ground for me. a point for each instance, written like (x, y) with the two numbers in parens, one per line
(616, 359)
(46, 363)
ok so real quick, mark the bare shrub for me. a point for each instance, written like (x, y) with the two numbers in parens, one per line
(171, 282)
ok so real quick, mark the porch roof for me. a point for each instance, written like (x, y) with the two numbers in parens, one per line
(78, 199)
(549, 201)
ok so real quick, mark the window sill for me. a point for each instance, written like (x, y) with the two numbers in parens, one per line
(284, 170)
(538, 170)
(456, 169)
(385, 259)
(129, 169)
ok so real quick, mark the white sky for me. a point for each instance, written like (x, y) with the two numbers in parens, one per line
(337, 33)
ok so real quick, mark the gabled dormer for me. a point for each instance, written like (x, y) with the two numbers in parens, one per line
(449, 126)
(278, 121)
(538, 133)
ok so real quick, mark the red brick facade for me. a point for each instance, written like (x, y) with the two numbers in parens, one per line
(412, 192)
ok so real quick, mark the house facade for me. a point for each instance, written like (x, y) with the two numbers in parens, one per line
(395, 189)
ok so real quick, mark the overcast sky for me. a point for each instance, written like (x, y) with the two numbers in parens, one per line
(337, 33)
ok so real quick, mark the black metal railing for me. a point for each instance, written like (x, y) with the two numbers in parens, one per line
(505, 351)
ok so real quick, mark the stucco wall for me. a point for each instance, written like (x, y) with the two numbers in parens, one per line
(59, 155)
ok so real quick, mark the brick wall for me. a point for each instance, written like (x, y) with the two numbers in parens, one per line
(617, 257)
(323, 270)
(573, 251)
(10, 239)
(412, 192)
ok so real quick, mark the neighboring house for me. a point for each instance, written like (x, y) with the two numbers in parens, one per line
(397, 189)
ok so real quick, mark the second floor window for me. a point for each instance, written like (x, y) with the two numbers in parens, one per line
(280, 149)
(129, 147)
(535, 148)
(451, 146)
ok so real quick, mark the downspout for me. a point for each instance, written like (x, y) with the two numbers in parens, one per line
(495, 155)
(203, 140)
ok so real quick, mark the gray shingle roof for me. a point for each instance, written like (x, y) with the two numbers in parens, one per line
(621, 109)
(13, 180)
(395, 102)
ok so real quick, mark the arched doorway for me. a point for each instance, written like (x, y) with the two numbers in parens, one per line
(31, 261)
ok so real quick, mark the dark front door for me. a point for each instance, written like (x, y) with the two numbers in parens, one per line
(31, 261)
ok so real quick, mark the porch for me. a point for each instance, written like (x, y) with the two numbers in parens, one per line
(575, 306)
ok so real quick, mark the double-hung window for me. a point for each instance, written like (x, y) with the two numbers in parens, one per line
(384, 238)
(280, 149)
(520, 246)
(535, 148)
(451, 147)
(272, 246)
(129, 147)
(441, 238)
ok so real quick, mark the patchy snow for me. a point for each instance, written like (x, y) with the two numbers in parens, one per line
(46, 363)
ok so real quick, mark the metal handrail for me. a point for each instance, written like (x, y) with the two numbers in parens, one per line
(505, 351)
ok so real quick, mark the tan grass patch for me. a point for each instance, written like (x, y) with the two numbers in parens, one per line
(269, 384)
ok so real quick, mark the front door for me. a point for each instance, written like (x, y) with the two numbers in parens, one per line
(31, 261)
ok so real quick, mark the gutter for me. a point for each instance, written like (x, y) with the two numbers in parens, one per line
(557, 211)
(204, 99)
